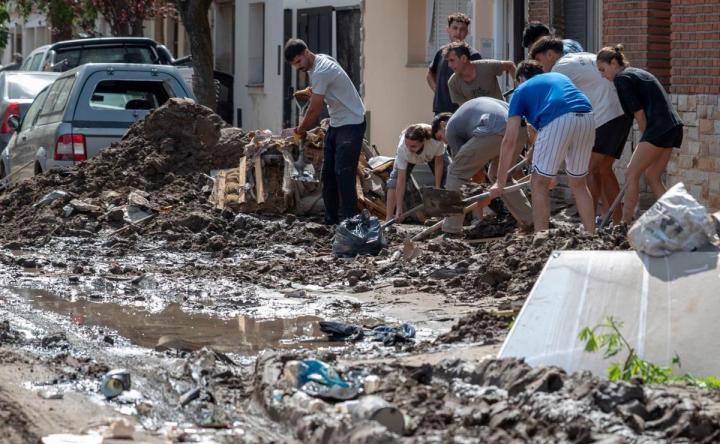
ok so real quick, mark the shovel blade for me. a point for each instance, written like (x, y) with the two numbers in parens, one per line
(439, 202)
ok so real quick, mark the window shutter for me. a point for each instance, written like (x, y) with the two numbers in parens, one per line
(439, 12)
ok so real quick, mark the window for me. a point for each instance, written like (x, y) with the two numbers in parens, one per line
(578, 20)
(437, 14)
(57, 98)
(128, 95)
(35, 62)
(32, 112)
(25, 86)
(256, 44)
(70, 58)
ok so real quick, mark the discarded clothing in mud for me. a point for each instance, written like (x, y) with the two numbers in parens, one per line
(320, 380)
(393, 335)
(358, 235)
(340, 331)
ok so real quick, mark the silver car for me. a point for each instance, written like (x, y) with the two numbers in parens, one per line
(83, 112)
(17, 92)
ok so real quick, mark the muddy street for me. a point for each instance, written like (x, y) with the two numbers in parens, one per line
(239, 326)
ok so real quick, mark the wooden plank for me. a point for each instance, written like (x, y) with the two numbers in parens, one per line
(220, 190)
(242, 179)
(259, 186)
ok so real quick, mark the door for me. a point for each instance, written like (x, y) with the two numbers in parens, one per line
(348, 38)
(314, 27)
(23, 146)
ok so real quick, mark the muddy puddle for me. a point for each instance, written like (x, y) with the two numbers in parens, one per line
(174, 328)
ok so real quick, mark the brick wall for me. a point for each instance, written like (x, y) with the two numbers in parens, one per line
(643, 27)
(539, 11)
(695, 47)
(695, 88)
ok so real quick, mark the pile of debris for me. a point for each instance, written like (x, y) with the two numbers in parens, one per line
(490, 401)
(278, 174)
(154, 169)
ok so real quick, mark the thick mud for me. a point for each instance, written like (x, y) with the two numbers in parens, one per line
(132, 267)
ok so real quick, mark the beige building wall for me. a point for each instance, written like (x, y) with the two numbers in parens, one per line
(395, 91)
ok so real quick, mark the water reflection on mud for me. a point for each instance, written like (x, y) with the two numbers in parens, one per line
(189, 330)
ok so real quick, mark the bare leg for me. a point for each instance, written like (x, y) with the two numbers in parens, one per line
(583, 202)
(653, 174)
(540, 186)
(645, 155)
(390, 204)
(594, 180)
(601, 167)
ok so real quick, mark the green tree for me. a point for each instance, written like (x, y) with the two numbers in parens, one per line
(63, 15)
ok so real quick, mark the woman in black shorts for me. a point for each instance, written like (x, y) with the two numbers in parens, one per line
(644, 98)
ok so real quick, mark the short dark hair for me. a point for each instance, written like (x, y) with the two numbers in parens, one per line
(547, 43)
(533, 31)
(528, 69)
(294, 48)
(459, 48)
(17, 57)
(440, 118)
(458, 17)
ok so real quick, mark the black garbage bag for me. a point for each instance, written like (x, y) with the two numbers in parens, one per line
(340, 331)
(358, 235)
(393, 335)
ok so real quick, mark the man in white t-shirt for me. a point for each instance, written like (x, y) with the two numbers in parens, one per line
(343, 141)
(416, 146)
(612, 126)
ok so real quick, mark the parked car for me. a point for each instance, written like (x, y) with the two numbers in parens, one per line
(17, 91)
(84, 111)
(68, 54)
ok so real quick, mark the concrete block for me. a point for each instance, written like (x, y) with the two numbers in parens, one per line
(685, 161)
(690, 118)
(692, 133)
(682, 103)
(692, 102)
(714, 182)
(693, 148)
(717, 127)
(706, 126)
(701, 112)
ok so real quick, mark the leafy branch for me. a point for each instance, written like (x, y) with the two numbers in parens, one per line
(608, 338)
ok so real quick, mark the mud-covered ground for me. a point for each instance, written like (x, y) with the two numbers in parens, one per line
(205, 309)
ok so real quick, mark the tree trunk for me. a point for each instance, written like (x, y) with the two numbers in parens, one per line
(194, 16)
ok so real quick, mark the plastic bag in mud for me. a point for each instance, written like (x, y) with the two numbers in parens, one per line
(358, 235)
(676, 222)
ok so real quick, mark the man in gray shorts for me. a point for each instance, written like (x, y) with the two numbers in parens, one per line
(474, 135)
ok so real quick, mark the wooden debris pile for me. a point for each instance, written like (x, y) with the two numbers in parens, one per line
(267, 180)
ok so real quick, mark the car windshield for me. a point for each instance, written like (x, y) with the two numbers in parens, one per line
(26, 86)
(133, 95)
(70, 58)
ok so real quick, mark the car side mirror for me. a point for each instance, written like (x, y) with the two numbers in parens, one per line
(14, 122)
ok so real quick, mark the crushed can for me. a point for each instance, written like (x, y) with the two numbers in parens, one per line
(374, 408)
(115, 382)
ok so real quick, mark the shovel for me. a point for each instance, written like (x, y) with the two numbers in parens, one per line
(299, 164)
(439, 202)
